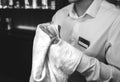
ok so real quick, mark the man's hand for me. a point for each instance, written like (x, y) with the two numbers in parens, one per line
(50, 28)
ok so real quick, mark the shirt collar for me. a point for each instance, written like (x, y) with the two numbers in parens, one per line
(92, 10)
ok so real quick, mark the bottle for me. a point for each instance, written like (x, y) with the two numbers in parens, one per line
(17, 4)
(0, 4)
(8, 20)
(4, 4)
(118, 3)
(9, 25)
(27, 5)
(34, 3)
(10, 4)
(53, 5)
(44, 4)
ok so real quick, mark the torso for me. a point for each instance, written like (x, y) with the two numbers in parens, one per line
(93, 30)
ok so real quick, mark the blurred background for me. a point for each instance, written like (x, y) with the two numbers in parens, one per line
(18, 21)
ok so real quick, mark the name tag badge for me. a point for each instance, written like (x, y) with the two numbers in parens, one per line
(83, 42)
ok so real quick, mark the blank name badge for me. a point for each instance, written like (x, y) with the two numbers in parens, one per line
(83, 42)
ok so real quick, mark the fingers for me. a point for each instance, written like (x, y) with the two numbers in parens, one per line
(49, 29)
(51, 32)
(55, 40)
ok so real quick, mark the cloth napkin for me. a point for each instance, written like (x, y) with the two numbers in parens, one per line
(52, 62)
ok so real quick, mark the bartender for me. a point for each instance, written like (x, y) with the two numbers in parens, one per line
(93, 28)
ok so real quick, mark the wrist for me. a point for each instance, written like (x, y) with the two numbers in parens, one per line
(115, 74)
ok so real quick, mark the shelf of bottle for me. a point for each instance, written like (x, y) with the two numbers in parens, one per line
(10, 9)
(30, 7)
(27, 6)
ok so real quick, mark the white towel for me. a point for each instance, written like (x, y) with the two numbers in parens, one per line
(52, 62)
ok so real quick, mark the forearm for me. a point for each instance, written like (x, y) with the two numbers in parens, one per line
(95, 70)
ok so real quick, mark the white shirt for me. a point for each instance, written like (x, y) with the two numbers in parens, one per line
(100, 25)
(96, 33)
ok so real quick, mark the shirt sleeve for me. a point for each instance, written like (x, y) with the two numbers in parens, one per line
(94, 70)
(97, 71)
(90, 68)
(113, 51)
(113, 44)
(56, 19)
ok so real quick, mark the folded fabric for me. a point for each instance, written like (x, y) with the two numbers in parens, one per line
(40, 47)
(52, 62)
